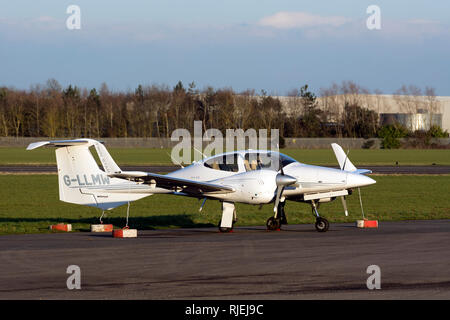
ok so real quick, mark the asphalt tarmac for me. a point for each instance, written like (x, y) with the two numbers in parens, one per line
(431, 169)
(250, 263)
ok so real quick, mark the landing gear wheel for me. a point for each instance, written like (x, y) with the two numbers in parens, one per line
(224, 229)
(322, 224)
(273, 224)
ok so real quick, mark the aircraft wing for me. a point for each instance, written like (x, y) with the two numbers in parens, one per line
(190, 187)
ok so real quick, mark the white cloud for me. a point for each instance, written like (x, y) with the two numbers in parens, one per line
(319, 26)
(45, 19)
(290, 20)
(423, 22)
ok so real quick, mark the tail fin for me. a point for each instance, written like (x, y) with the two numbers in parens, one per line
(344, 161)
(108, 162)
(82, 182)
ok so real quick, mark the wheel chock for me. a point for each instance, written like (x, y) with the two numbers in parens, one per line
(61, 227)
(124, 233)
(101, 227)
(367, 223)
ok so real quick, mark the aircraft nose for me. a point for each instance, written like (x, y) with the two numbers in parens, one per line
(359, 180)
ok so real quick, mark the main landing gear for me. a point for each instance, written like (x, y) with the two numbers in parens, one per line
(275, 222)
(226, 229)
(322, 224)
(228, 217)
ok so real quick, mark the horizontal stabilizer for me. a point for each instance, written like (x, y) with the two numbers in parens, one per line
(81, 181)
(57, 143)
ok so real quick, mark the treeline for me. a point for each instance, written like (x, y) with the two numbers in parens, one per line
(155, 111)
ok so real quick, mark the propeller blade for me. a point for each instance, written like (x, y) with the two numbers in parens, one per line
(277, 200)
(282, 180)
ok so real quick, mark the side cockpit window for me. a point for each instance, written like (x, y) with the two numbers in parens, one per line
(256, 161)
(224, 163)
(268, 160)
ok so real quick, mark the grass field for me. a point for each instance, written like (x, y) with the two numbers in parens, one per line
(142, 156)
(29, 204)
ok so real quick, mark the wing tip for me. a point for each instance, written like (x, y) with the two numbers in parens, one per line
(36, 145)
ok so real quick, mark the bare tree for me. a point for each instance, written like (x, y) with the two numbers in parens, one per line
(433, 106)
(16, 111)
(409, 99)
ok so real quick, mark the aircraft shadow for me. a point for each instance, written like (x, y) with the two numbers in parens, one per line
(140, 223)
(282, 230)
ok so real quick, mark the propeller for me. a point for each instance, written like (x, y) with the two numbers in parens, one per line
(282, 180)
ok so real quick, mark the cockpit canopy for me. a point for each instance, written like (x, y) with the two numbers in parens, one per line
(225, 162)
(248, 161)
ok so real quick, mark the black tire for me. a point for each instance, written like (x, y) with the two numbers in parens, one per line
(322, 224)
(273, 224)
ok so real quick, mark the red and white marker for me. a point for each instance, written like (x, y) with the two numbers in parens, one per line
(101, 227)
(61, 227)
(125, 233)
(367, 223)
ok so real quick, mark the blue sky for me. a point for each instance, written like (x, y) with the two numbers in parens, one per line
(270, 45)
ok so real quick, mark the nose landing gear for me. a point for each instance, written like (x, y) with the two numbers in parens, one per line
(321, 224)
(275, 222)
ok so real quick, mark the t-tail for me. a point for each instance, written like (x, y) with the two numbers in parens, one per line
(81, 181)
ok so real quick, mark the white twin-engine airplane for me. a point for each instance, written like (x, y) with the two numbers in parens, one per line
(251, 176)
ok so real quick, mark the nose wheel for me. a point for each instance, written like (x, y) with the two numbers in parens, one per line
(273, 223)
(322, 224)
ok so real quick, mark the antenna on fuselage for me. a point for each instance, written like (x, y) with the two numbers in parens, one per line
(175, 161)
(204, 156)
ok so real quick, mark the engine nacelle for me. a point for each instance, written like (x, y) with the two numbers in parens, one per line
(252, 187)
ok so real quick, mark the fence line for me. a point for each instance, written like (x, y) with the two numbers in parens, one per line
(290, 143)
